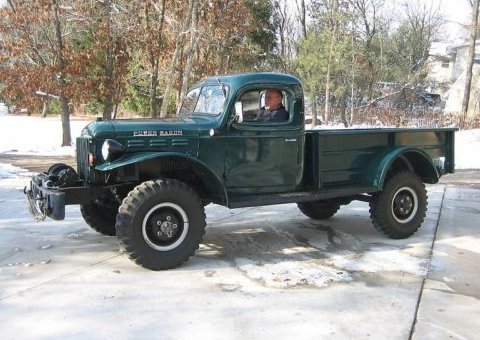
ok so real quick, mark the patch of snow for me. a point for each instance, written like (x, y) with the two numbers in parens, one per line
(34, 135)
(10, 171)
(379, 259)
(468, 243)
(288, 274)
(467, 144)
(3, 109)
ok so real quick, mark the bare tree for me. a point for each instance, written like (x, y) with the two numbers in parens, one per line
(283, 20)
(38, 53)
(424, 23)
(154, 36)
(302, 13)
(333, 41)
(170, 78)
(471, 57)
(67, 138)
(191, 49)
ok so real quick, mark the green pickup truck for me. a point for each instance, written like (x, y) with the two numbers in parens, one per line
(147, 181)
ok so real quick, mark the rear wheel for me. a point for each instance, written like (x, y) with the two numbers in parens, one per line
(399, 210)
(99, 217)
(319, 210)
(161, 223)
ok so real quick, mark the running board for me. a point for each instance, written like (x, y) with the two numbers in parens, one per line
(242, 201)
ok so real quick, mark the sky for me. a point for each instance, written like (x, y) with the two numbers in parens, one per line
(457, 13)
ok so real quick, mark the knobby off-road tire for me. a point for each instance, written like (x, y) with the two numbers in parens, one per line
(99, 218)
(399, 210)
(161, 223)
(318, 210)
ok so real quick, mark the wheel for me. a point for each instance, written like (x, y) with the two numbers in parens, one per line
(160, 223)
(64, 175)
(318, 210)
(99, 217)
(57, 167)
(398, 211)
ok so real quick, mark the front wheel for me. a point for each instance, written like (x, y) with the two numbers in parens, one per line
(99, 217)
(160, 223)
(399, 210)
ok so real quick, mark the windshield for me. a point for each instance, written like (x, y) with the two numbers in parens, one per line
(206, 100)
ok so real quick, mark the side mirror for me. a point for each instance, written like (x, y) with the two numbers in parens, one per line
(238, 112)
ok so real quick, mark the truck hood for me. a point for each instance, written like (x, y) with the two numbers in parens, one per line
(149, 127)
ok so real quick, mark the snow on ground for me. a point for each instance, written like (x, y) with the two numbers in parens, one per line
(8, 170)
(467, 146)
(36, 136)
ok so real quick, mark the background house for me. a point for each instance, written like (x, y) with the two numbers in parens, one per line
(447, 66)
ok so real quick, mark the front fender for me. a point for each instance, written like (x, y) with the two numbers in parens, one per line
(211, 180)
(414, 159)
(132, 159)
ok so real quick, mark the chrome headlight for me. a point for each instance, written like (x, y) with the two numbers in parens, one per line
(111, 150)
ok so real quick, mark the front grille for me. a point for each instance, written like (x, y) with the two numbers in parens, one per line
(83, 148)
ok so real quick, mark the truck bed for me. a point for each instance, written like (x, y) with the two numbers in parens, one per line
(349, 157)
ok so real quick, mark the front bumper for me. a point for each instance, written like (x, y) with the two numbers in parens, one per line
(44, 200)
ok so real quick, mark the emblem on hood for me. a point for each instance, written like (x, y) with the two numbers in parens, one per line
(150, 133)
(171, 133)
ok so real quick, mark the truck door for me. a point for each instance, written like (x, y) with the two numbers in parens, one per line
(264, 156)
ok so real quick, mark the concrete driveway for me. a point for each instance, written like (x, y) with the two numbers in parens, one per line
(261, 273)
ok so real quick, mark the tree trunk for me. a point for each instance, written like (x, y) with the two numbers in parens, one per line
(191, 50)
(153, 89)
(115, 111)
(326, 114)
(314, 110)
(67, 138)
(155, 65)
(470, 60)
(329, 66)
(188, 68)
(173, 64)
(46, 106)
(343, 110)
(109, 66)
(352, 88)
(303, 17)
(282, 14)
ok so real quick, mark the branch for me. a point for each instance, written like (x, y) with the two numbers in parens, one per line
(47, 95)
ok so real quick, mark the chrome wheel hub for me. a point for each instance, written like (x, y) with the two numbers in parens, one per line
(165, 226)
(404, 205)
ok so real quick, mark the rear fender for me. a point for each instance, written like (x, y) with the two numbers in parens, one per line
(412, 159)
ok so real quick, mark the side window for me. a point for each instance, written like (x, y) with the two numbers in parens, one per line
(265, 105)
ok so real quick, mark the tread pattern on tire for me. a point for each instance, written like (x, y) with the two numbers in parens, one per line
(98, 218)
(127, 217)
(381, 201)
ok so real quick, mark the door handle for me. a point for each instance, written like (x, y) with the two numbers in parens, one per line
(290, 139)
